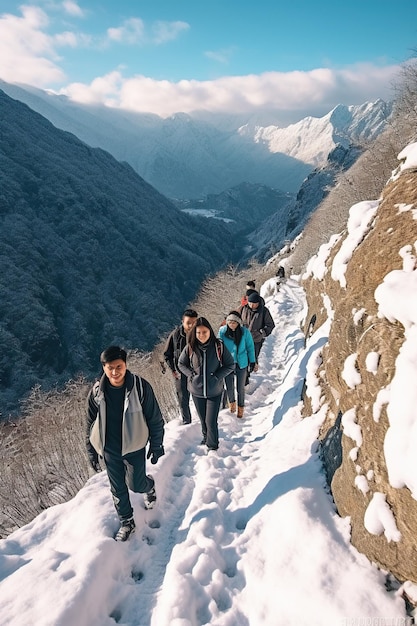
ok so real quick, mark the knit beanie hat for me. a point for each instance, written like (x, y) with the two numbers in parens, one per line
(234, 317)
(254, 297)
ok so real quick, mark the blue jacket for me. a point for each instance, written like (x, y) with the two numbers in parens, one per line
(244, 353)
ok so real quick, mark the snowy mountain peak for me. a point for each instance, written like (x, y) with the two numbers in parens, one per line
(312, 139)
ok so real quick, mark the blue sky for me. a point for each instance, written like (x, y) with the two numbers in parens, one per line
(223, 55)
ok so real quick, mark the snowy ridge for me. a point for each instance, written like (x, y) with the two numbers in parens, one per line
(312, 139)
(247, 535)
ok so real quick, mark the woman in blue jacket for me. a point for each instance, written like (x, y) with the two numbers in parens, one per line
(206, 362)
(239, 342)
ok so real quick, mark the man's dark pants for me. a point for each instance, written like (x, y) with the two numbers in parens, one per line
(128, 472)
(183, 398)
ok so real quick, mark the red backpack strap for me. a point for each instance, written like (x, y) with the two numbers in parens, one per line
(219, 350)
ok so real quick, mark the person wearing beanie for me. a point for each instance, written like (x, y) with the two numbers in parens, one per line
(254, 297)
(240, 344)
(258, 319)
(206, 362)
(174, 346)
(123, 415)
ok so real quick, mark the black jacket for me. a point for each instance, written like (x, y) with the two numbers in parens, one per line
(174, 346)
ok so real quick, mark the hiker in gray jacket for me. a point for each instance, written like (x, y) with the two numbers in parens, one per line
(123, 415)
(206, 362)
(257, 317)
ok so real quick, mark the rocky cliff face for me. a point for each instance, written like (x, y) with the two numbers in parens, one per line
(356, 421)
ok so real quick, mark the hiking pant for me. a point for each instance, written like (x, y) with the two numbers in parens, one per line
(183, 396)
(128, 472)
(240, 376)
(208, 412)
(258, 345)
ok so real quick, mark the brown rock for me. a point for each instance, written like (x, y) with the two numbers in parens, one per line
(372, 260)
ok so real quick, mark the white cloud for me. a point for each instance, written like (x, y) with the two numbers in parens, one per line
(220, 56)
(72, 40)
(131, 32)
(27, 53)
(294, 93)
(134, 31)
(72, 8)
(101, 89)
(167, 31)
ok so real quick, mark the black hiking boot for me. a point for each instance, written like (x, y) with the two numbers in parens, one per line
(126, 529)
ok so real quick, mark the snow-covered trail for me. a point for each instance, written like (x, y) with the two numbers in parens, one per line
(200, 540)
(245, 536)
(208, 547)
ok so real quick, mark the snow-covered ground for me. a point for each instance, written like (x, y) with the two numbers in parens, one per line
(245, 536)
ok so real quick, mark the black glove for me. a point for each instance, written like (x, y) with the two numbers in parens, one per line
(93, 458)
(251, 367)
(155, 453)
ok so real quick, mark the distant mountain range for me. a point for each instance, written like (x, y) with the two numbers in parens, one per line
(192, 156)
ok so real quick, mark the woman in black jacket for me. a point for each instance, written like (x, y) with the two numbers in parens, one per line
(206, 362)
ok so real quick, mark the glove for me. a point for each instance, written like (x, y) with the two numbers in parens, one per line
(93, 458)
(251, 367)
(256, 367)
(155, 453)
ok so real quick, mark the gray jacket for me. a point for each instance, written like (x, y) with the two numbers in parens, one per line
(142, 418)
(206, 368)
(259, 321)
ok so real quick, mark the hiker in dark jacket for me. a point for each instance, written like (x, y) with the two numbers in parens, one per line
(123, 415)
(280, 276)
(174, 346)
(257, 317)
(206, 362)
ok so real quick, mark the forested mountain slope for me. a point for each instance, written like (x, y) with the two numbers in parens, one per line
(89, 254)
